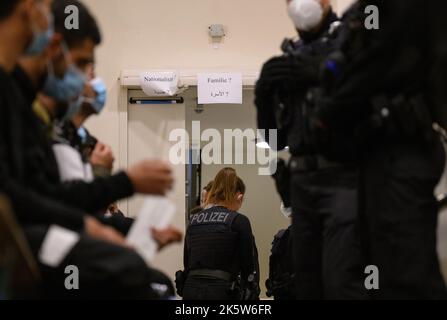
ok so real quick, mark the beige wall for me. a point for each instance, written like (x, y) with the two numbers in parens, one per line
(343, 4)
(173, 34)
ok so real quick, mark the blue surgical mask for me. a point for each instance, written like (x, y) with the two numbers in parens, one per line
(40, 43)
(99, 101)
(67, 89)
(41, 39)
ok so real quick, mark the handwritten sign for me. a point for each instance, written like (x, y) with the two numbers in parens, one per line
(159, 84)
(216, 88)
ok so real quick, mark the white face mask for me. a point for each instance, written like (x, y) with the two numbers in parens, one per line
(305, 14)
(287, 212)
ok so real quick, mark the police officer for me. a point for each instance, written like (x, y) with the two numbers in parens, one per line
(220, 254)
(27, 168)
(328, 257)
(281, 281)
(387, 86)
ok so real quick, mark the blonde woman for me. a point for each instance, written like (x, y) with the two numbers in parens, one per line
(220, 259)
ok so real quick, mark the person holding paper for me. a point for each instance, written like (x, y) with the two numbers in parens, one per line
(203, 197)
(220, 256)
(320, 180)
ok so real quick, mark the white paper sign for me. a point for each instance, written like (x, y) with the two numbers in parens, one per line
(215, 88)
(156, 213)
(57, 245)
(159, 84)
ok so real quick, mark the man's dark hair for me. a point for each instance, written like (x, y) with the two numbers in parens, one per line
(88, 28)
(7, 7)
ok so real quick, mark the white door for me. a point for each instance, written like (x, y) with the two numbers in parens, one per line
(149, 127)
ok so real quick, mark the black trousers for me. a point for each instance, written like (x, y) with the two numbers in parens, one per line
(106, 271)
(401, 216)
(329, 262)
(204, 288)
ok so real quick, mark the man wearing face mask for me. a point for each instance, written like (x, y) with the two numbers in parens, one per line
(281, 281)
(26, 179)
(52, 113)
(328, 258)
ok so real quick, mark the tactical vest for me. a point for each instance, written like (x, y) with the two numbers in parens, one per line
(281, 282)
(211, 242)
(300, 137)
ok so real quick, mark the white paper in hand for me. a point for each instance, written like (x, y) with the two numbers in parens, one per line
(57, 245)
(156, 213)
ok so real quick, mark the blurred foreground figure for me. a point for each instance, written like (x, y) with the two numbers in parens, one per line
(385, 88)
(321, 190)
(220, 255)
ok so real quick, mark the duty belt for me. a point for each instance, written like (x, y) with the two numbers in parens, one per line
(217, 274)
(312, 163)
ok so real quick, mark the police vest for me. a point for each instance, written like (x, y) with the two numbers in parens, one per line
(211, 242)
